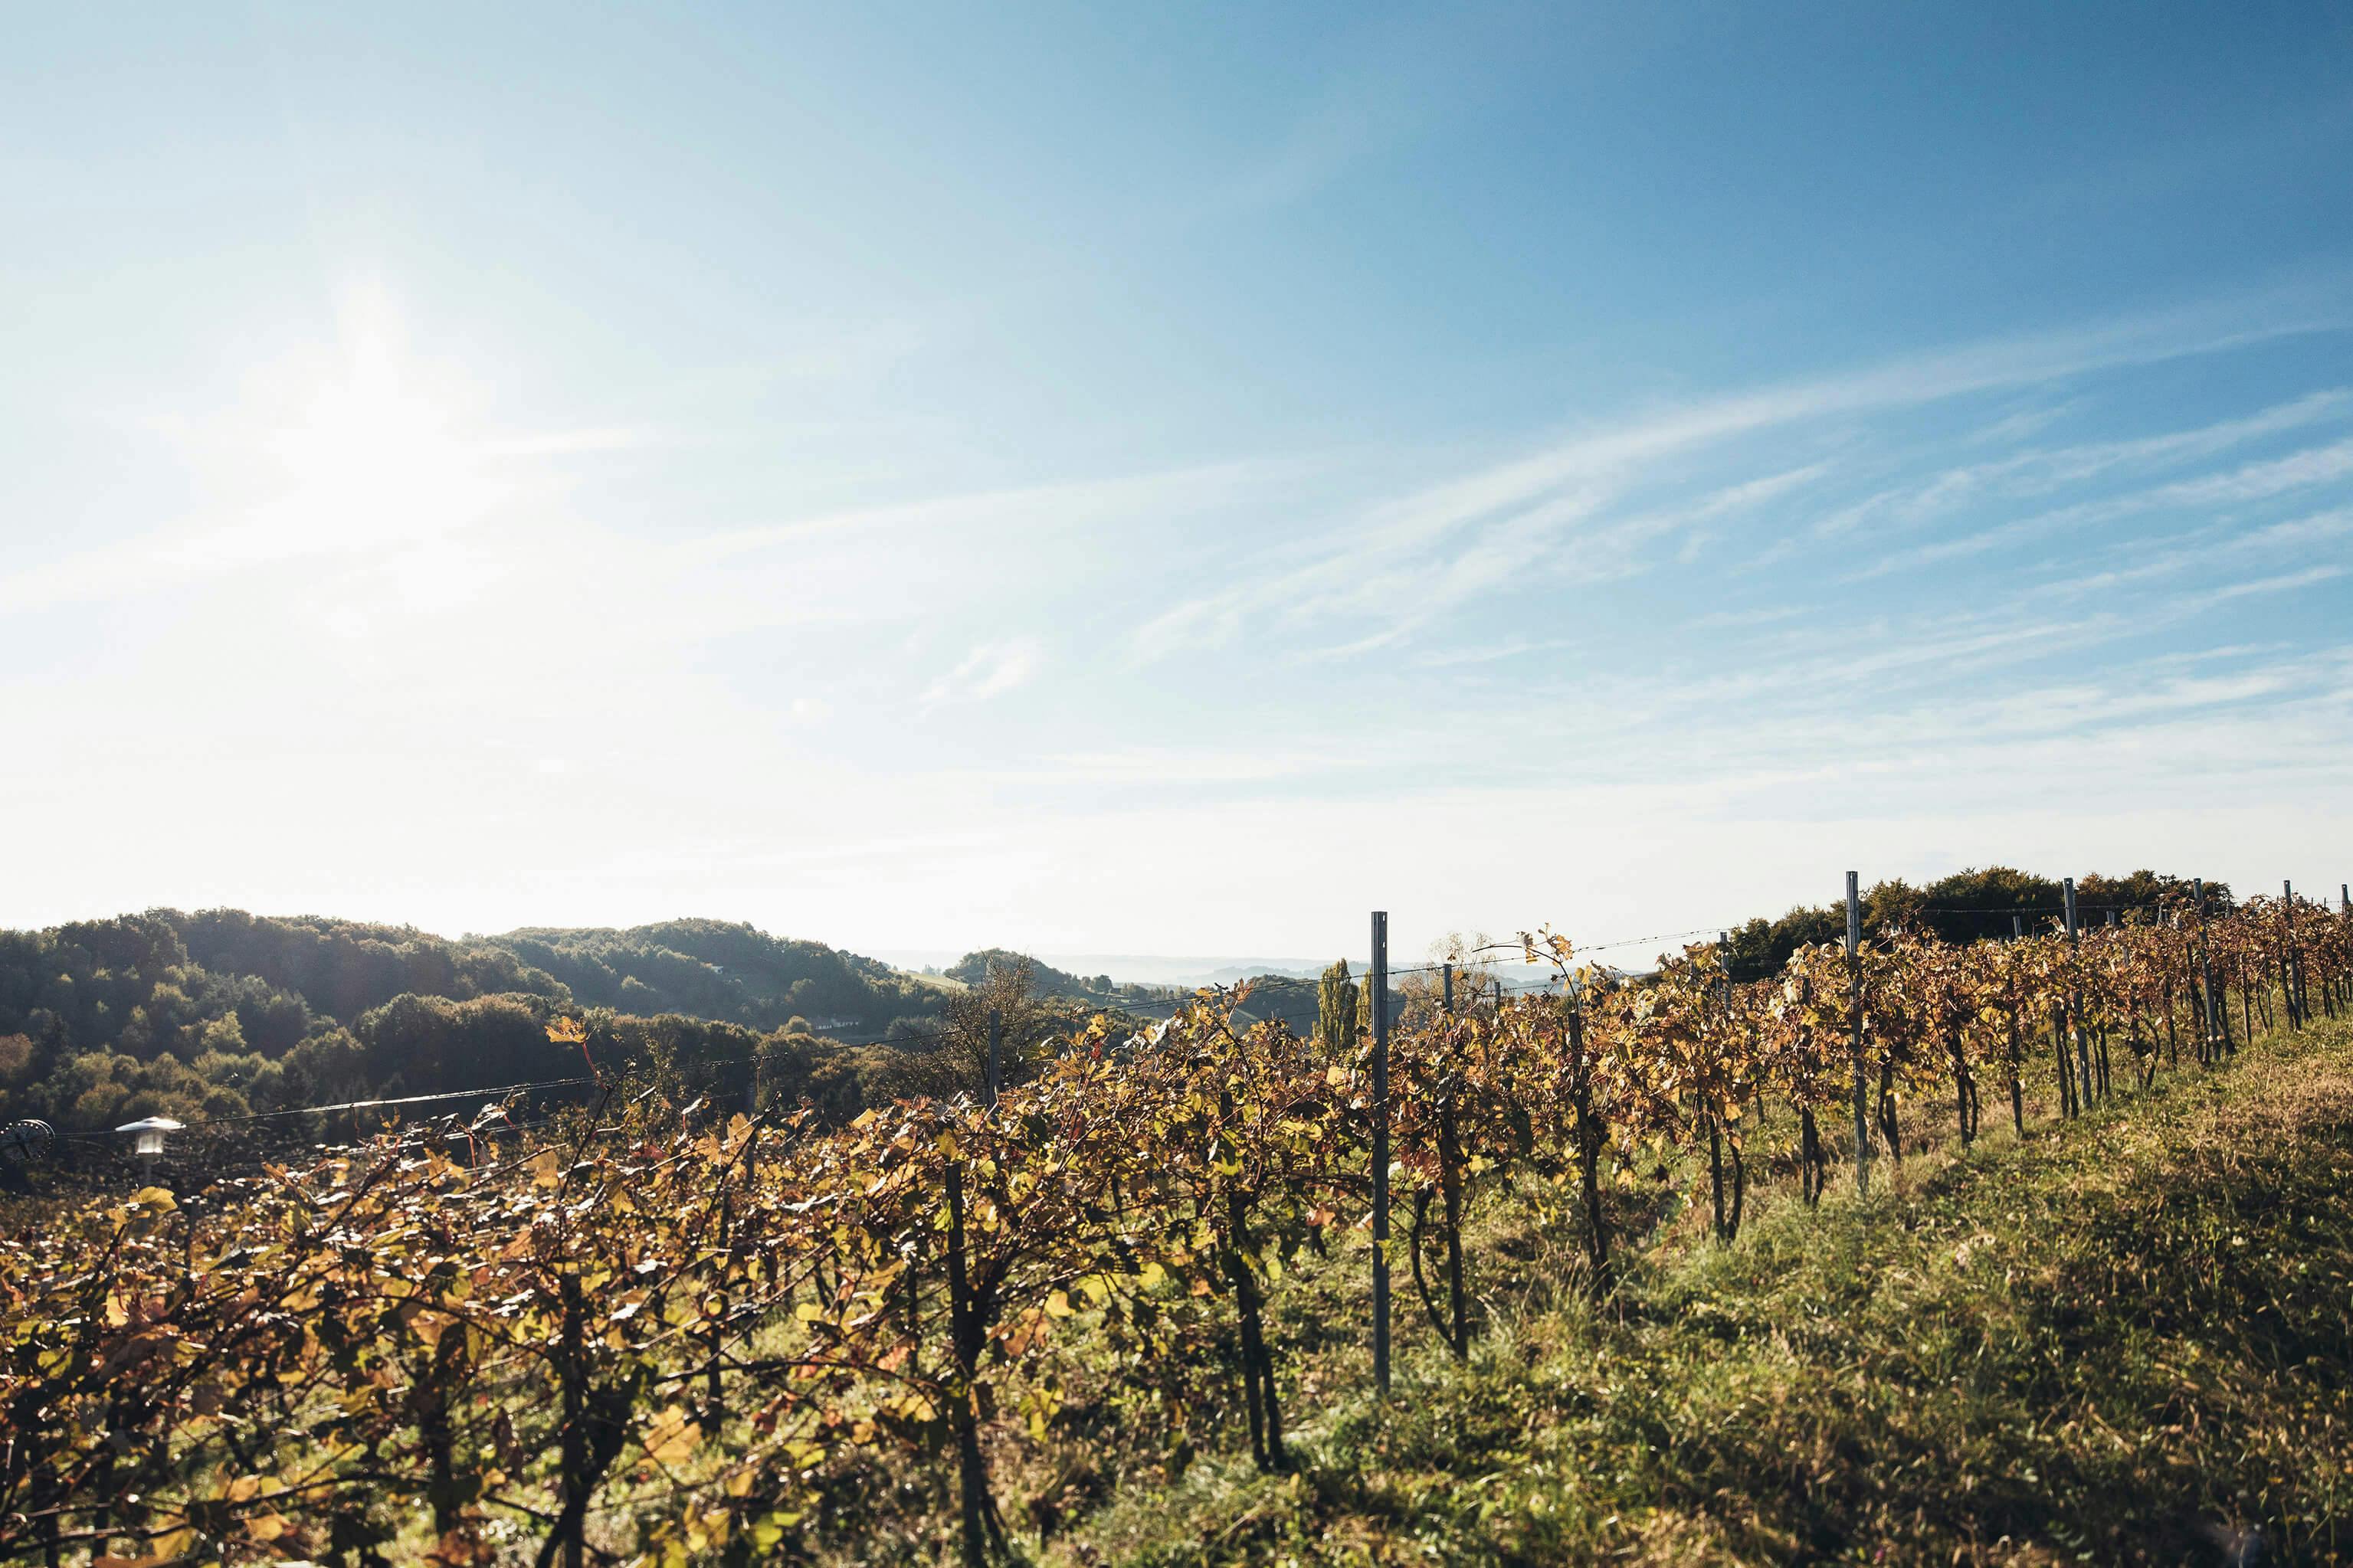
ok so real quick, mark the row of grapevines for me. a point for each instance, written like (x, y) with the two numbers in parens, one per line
(716, 1345)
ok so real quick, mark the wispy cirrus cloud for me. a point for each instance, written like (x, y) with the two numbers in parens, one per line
(2262, 479)
(1031, 510)
(2040, 471)
(1401, 565)
(991, 670)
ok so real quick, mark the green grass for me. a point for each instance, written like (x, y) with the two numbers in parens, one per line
(2124, 1340)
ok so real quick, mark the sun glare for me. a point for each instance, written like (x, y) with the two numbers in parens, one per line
(358, 444)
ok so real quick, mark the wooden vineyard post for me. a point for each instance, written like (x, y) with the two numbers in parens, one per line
(2195, 988)
(1589, 1146)
(966, 1338)
(2017, 1045)
(1450, 1171)
(573, 1483)
(2218, 1006)
(1380, 979)
(2075, 1004)
(1854, 993)
(995, 1050)
(1715, 1127)
(2291, 964)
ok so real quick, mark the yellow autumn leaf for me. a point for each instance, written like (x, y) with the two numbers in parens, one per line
(671, 1439)
(1058, 1304)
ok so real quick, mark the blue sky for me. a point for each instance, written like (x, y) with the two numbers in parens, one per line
(1168, 480)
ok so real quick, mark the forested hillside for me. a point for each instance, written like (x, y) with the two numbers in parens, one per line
(103, 1015)
(221, 1013)
(343, 968)
(1967, 906)
(720, 969)
(973, 968)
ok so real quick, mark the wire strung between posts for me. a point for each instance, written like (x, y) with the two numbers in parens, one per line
(398, 1100)
(1576, 946)
(491, 1091)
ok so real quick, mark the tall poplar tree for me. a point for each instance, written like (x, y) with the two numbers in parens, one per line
(1335, 1010)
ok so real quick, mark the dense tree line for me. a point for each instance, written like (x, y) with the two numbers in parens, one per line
(101, 1020)
(974, 968)
(1967, 906)
(343, 968)
(719, 969)
(223, 1014)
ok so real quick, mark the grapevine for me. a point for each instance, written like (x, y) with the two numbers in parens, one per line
(708, 1339)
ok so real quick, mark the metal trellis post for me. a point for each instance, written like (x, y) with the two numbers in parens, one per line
(1380, 981)
(1854, 990)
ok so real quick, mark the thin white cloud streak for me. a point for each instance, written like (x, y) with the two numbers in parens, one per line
(2040, 473)
(2298, 471)
(2207, 545)
(1768, 616)
(2284, 581)
(2026, 422)
(1031, 509)
(2260, 480)
(1452, 658)
(1413, 559)
(989, 670)
(1785, 700)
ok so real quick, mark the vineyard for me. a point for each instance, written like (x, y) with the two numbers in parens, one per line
(635, 1335)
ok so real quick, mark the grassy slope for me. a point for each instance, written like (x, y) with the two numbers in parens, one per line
(2119, 1340)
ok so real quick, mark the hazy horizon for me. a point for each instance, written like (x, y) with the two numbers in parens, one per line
(1100, 481)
